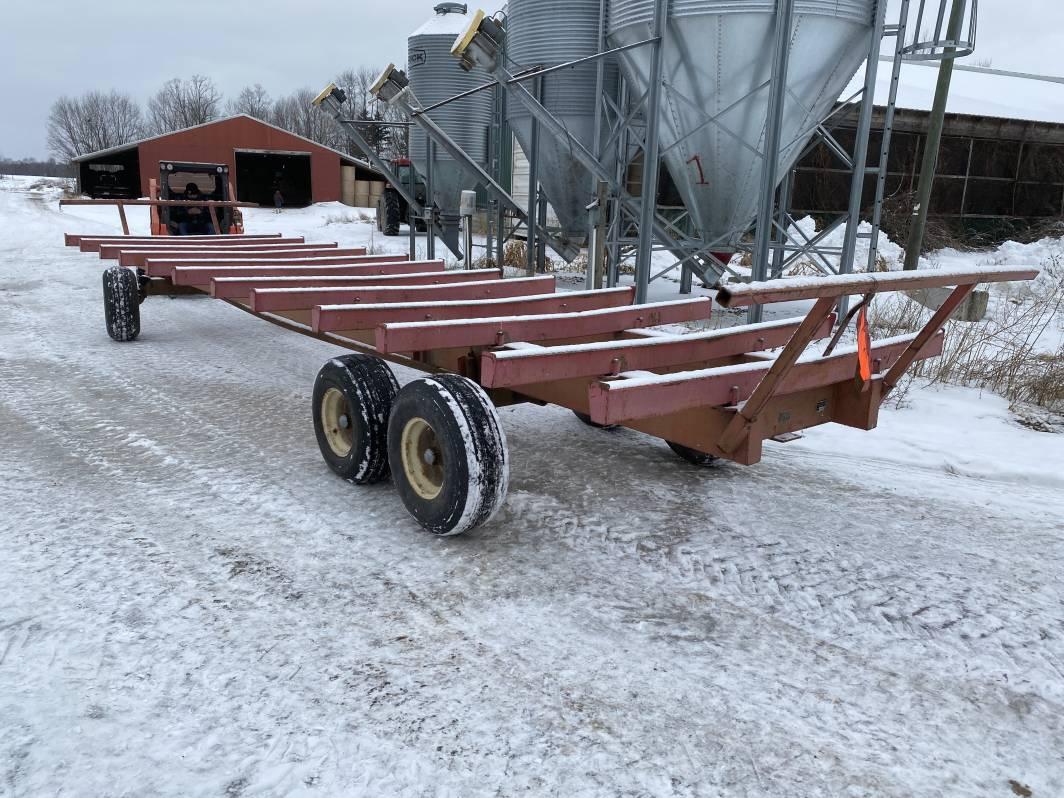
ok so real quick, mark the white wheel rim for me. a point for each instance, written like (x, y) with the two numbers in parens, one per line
(337, 422)
(422, 458)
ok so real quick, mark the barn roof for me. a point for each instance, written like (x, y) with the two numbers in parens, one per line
(974, 91)
(134, 144)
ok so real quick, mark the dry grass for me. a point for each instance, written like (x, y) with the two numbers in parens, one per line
(1002, 353)
(346, 218)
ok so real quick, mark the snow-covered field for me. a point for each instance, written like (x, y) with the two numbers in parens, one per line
(192, 604)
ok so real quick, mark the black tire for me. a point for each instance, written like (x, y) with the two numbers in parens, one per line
(587, 420)
(693, 456)
(448, 453)
(121, 303)
(392, 213)
(352, 398)
(420, 226)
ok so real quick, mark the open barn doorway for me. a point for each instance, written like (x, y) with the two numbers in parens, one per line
(260, 173)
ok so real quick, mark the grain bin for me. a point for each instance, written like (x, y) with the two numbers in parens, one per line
(718, 64)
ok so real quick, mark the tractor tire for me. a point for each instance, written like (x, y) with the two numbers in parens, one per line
(121, 303)
(420, 226)
(352, 398)
(448, 453)
(392, 213)
(693, 456)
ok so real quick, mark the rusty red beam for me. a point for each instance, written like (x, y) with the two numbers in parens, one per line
(421, 336)
(500, 368)
(91, 243)
(136, 257)
(649, 395)
(334, 315)
(369, 316)
(109, 250)
(163, 267)
(161, 202)
(799, 288)
(201, 276)
(299, 293)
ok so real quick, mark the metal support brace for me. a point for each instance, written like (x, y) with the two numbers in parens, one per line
(770, 155)
(533, 185)
(651, 158)
(860, 155)
(430, 210)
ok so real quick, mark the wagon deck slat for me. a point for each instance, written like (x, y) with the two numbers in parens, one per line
(504, 368)
(630, 397)
(92, 243)
(135, 257)
(420, 336)
(368, 317)
(304, 292)
(202, 275)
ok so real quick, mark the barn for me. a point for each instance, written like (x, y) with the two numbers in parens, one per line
(1000, 165)
(261, 158)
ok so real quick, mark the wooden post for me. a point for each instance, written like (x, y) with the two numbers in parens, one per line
(214, 220)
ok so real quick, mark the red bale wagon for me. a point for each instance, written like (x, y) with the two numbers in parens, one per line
(486, 342)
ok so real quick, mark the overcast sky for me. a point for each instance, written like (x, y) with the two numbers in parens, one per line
(54, 47)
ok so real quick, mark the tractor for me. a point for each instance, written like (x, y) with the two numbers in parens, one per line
(201, 181)
(392, 208)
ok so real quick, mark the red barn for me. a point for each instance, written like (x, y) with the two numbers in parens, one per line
(261, 158)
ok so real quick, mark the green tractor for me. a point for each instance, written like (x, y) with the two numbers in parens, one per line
(392, 208)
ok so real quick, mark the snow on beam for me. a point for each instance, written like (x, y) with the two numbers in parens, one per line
(796, 288)
(200, 276)
(109, 250)
(420, 336)
(643, 395)
(368, 317)
(502, 368)
(162, 267)
(299, 293)
(335, 316)
(91, 242)
(136, 257)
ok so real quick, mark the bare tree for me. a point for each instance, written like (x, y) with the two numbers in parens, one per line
(183, 103)
(254, 101)
(296, 114)
(94, 121)
(384, 139)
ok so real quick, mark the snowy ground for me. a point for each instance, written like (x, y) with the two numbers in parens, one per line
(193, 605)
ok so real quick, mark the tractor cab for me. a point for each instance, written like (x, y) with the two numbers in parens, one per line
(191, 182)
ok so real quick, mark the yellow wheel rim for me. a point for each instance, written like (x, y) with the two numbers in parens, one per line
(422, 458)
(337, 422)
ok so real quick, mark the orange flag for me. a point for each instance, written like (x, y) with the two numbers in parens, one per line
(864, 349)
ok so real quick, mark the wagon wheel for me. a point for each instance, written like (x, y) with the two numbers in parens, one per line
(693, 456)
(352, 397)
(121, 303)
(448, 453)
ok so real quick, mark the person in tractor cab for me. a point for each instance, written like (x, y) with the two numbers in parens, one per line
(193, 220)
